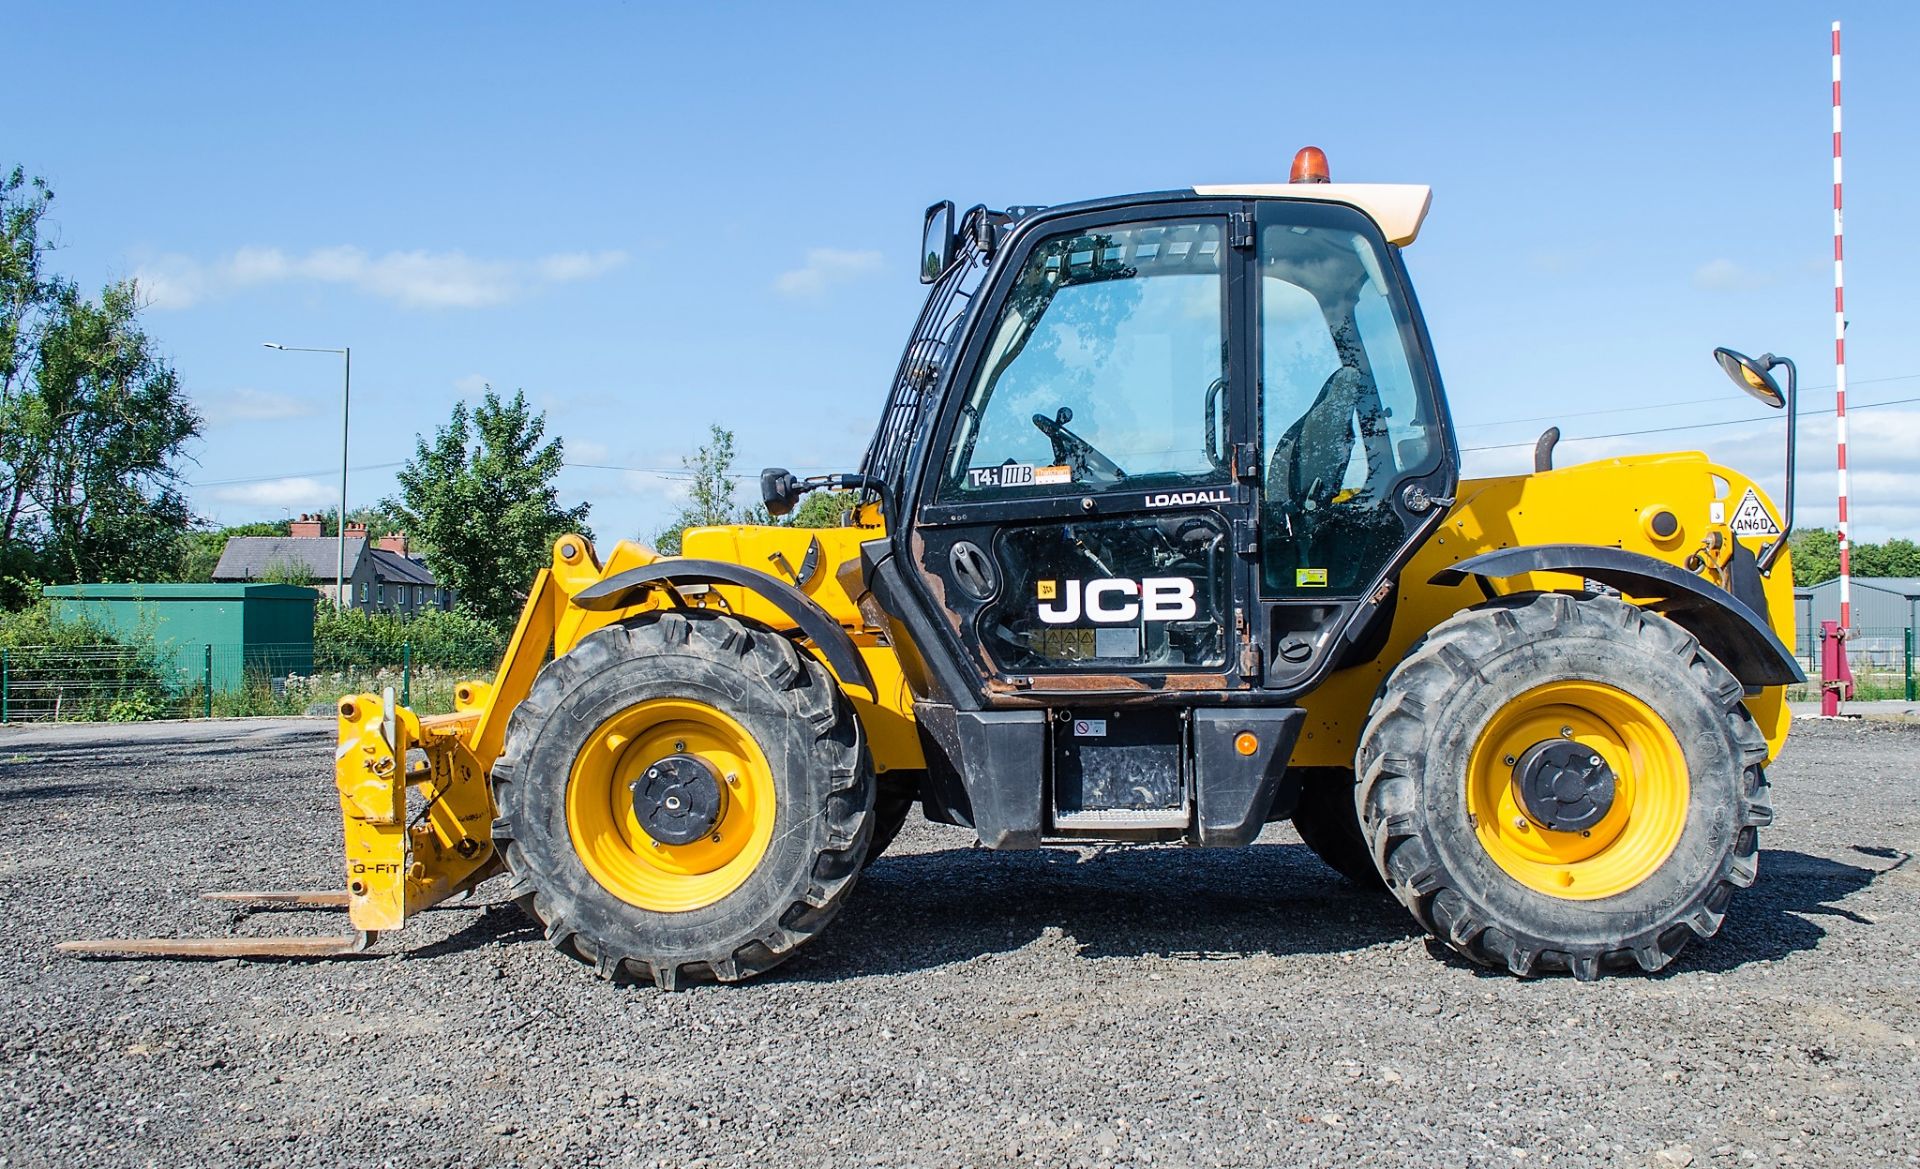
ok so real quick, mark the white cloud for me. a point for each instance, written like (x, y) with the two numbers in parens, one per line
(294, 492)
(416, 279)
(249, 405)
(473, 383)
(1724, 275)
(566, 267)
(586, 450)
(825, 268)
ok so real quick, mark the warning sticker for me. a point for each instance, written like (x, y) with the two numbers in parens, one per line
(1059, 473)
(1751, 518)
(1309, 578)
(1047, 590)
(1090, 728)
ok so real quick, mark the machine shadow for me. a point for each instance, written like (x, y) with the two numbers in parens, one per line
(1780, 915)
(919, 911)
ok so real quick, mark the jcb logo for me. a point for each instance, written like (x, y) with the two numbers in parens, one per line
(1117, 601)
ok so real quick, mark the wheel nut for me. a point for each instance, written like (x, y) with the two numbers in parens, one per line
(1593, 761)
(653, 773)
(1520, 822)
(1508, 760)
(733, 779)
(716, 838)
(679, 745)
(1566, 732)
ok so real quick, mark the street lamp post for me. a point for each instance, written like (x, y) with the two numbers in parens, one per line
(346, 398)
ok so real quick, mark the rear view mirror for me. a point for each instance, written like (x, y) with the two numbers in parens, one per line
(936, 241)
(1752, 376)
(779, 490)
(1755, 376)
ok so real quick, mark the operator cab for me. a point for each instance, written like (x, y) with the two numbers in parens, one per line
(1187, 433)
(1150, 467)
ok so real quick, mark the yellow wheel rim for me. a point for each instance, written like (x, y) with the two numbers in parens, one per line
(608, 837)
(1635, 836)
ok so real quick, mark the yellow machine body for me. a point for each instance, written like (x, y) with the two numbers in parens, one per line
(400, 861)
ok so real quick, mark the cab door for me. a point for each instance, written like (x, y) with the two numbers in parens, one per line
(1083, 524)
(1356, 455)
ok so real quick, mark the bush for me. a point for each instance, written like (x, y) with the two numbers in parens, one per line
(455, 640)
(76, 670)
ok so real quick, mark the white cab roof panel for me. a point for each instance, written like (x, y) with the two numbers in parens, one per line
(1399, 208)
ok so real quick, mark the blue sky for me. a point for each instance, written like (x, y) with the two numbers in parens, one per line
(654, 218)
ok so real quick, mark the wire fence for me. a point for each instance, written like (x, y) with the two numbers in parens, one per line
(131, 683)
(1882, 660)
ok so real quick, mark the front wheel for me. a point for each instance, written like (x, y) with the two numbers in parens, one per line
(1552, 782)
(685, 796)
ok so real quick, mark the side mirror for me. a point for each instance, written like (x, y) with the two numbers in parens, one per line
(779, 490)
(1755, 377)
(937, 245)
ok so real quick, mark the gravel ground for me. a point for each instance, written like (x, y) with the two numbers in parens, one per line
(1087, 1006)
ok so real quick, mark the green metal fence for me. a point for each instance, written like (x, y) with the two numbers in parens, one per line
(134, 683)
(1882, 660)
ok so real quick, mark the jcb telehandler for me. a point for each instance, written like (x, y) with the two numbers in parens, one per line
(1160, 539)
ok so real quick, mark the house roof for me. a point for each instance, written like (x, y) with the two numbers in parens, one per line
(256, 557)
(398, 569)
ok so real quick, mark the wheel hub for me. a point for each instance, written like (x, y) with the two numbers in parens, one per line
(1563, 785)
(678, 800)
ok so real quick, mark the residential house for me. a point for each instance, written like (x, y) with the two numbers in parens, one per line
(381, 575)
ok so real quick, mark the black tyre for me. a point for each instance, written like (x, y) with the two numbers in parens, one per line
(1328, 820)
(891, 807)
(1552, 782)
(685, 796)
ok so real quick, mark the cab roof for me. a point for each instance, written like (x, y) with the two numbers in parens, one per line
(1399, 208)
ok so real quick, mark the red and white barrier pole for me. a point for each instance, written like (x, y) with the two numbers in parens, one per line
(1830, 687)
(1840, 350)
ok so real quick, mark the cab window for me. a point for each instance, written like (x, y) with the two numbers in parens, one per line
(1105, 368)
(1342, 417)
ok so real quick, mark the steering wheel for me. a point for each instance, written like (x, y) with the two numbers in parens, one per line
(1076, 452)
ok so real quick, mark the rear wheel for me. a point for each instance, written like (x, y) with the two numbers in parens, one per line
(683, 797)
(1553, 782)
(1329, 822)
(892, 804)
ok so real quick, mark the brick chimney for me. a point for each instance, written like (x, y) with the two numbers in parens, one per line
(356, 530)
(307, 526)
(394, 542)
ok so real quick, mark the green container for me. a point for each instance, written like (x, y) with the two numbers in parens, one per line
(264, 629)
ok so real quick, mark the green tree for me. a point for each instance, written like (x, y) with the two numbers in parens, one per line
(200, 549)
(481, 503)
(1816, 555)
(823, 509)
(93, 420)
(710, 491)
(1893, 558)
(711, 498)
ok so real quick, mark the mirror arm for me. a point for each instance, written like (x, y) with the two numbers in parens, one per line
(854, 482)
(1772, 551)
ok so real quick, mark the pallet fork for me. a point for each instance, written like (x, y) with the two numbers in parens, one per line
(402, 856)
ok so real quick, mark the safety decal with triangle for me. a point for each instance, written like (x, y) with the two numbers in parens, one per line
(1751, 518)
